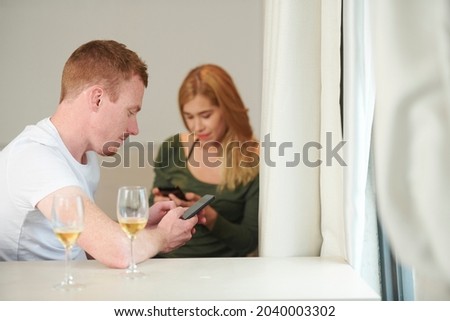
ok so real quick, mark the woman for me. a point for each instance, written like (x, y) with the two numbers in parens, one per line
(218, 155)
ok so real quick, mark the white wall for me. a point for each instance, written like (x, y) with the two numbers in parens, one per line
(172, 36)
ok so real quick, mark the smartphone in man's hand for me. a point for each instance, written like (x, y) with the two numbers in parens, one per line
(198, 206)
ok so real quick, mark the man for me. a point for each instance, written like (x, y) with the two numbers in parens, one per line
(102, 90)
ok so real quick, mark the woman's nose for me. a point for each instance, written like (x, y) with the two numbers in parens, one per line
(198, 125)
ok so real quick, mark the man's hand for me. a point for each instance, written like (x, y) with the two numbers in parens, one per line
(174, 231)
(158, 210)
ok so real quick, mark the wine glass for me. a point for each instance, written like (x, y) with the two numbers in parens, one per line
(67, 222)
(132, 213)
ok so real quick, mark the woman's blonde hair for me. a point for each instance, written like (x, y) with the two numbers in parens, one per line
(213, 82)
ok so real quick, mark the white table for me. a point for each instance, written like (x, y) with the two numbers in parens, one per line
(299, 278)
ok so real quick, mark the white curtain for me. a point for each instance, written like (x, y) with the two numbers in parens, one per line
(412, 136)
(301, 202)
(302, 206)
(359, 100)
(318, 210)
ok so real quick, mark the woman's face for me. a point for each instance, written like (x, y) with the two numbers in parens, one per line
(204, 119)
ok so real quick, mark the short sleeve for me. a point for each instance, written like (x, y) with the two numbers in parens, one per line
(36, 170)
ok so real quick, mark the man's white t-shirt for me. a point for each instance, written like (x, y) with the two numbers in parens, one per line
(35, 164)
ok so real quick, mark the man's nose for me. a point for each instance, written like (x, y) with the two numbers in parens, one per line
(133, 127)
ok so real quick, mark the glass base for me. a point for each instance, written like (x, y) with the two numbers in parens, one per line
(72, 286)
(133, 274)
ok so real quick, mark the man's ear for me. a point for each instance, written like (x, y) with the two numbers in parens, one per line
(95, 97)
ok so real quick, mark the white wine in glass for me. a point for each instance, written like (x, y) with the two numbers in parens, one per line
(132, 214)
(67, 222)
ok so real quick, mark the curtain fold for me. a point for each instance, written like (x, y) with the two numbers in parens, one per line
(301, 201)
(359, 101)
(290, 205)
(331, 173)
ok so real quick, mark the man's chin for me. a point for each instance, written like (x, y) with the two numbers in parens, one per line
(110, 149)
(109, 153)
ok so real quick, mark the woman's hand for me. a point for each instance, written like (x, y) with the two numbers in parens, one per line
(158, 196)
(210, 215)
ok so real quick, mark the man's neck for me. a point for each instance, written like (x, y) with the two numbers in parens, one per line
(69, 126)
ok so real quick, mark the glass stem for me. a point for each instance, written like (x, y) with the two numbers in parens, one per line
(132, 267)
(68, 276)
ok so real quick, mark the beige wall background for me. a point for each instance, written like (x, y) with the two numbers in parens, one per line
(172, 36)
